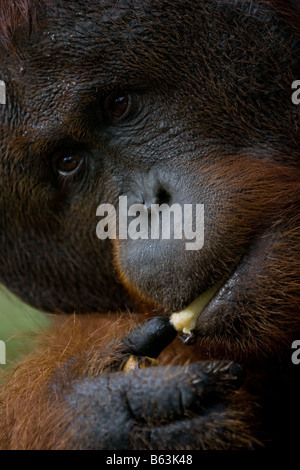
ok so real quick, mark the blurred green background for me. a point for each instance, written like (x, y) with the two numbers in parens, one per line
(18, 323)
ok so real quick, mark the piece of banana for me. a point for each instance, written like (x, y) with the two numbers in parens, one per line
(185, 321)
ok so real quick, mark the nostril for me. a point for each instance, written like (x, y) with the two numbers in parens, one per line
(163, 196)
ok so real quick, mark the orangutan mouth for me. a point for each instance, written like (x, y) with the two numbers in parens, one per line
(185, 321)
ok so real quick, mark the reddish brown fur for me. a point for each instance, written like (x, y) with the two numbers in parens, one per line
(12, 13)
(33, 414)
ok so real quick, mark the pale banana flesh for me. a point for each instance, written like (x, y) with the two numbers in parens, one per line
(185, 321)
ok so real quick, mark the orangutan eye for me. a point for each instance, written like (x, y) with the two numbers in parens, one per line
(67, 164)
(117, 107)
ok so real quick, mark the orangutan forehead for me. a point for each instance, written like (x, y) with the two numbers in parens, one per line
(53, 23)
(30, 13)
(123, 43)
(129, 42)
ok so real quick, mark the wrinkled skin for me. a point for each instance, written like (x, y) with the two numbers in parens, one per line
(163, 102)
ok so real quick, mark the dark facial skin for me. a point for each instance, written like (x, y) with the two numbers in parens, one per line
(178, 102)
(89, 86)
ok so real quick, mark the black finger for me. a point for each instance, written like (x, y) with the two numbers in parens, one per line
(108, 411)
(193, 433)
(150, 338)
(167, 393)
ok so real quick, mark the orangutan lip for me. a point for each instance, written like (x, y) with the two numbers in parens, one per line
(185, 320)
